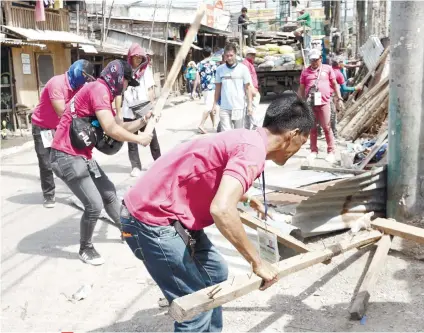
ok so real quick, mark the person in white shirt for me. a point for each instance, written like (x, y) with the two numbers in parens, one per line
(135, 96)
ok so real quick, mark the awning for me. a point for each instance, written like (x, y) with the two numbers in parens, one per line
(48, 35)
(89, 49)
(19, 42)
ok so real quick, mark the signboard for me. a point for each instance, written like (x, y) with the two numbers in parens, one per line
(216, 17)
(268, 246)
(26, 63)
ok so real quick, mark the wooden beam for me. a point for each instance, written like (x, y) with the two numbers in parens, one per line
(332, 170)
(381, 140)
(402, 230)
(175, 69)
(296, 191)
(360, 303)
(187, 307)
(286, 240)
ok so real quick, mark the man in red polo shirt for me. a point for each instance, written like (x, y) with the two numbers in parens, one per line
(317, 83)
(197, 184)
(58, 91)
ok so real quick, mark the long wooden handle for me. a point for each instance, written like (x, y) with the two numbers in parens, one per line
(176, 67)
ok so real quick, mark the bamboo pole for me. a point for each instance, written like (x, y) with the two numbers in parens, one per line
(176, 67)
(153, 23)
(166, 39)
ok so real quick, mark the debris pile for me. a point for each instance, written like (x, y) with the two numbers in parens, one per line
(366, 112)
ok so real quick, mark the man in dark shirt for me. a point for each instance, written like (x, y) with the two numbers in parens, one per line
(244, 21)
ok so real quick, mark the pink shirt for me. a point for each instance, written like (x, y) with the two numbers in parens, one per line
(57, 88)
(309, 76)
(252, 72)
(92, 97)
(182, 184)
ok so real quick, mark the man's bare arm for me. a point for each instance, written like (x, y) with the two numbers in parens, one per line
(301, 91)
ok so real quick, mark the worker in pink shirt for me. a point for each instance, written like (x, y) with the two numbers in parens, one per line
(89, 122)
(254, 118)
(197, 184)
(317, 83)
(57, 92)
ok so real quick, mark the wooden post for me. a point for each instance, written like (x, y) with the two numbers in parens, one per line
(187, 307)
(153, 24)
(176, 67)
(166, 39)
(360, 304)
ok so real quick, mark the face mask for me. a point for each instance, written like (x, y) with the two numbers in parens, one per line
(231, 66)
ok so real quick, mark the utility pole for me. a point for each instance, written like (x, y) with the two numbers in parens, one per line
(153, 23)
(405, 179)
(166, 41)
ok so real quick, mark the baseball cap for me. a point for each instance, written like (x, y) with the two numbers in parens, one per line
(300, 8)
(314, 54)
(251, 50)
(128, 75)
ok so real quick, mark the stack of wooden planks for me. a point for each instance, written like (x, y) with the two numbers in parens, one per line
(366, 112)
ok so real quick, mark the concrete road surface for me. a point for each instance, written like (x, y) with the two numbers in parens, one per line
(40, 268)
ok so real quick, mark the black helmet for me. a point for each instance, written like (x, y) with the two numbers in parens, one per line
(106, 144)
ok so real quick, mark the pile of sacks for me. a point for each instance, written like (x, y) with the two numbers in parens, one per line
(271, 55)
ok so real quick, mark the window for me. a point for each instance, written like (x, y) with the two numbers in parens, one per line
(45, 69)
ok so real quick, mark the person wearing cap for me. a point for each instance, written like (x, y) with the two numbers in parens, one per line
(304, 20)
(71, 154)
(244, 22)
(322, 79)
(254, 118)
(46, 115)
(142, 72)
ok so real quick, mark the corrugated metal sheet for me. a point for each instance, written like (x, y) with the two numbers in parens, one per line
(371, 51)
(338, 206)
(19, 42)
(48, 35)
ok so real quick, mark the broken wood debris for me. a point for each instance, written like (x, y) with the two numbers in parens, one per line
(187, 307)
(360, 303)
(402, 230)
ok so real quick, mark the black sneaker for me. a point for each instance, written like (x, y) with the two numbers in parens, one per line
(90, 256)
(49, 202)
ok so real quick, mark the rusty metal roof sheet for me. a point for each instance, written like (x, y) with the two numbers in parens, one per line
(371, 51)
(19, 42)
(48, 35)
(339, 205)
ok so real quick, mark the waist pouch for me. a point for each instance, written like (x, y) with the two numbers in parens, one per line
(82, 133)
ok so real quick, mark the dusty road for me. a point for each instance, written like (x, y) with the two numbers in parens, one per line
(40, 266)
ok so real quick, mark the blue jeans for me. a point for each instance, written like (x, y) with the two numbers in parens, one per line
(177, 273)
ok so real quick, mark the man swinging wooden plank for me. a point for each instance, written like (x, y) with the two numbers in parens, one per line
(200, 183)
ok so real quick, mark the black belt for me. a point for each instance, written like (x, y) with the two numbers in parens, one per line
(185, 235)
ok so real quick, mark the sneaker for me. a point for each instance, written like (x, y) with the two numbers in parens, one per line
(312, 157)
(136, 172)
(163, 302)
(331, 158)
(90, 256)
(49, 202)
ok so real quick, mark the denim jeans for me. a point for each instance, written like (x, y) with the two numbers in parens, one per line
(91, 191)
(133, 154)
(43, 155)
(177, 273)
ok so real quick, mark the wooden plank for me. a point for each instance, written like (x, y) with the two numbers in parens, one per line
(291, 190)
(286, 240)
(332, 170)
(381, 140)
(187, 307)
(359, 305)
(402, 230)
(175, 69)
